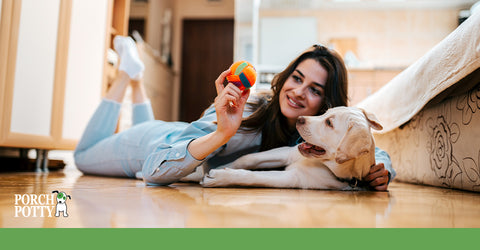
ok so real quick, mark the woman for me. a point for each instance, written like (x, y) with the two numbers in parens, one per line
(164, 152)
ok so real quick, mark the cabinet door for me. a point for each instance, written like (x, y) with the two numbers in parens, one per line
(53, 70)
(35, 67)
(85, 67)
(30, 72)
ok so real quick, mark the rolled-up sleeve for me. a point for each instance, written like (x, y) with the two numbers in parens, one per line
(383, 157)
(170, 162)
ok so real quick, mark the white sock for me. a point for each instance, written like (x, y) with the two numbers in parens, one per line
(129, 59)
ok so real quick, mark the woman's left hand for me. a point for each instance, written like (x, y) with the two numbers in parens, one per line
(378, 178)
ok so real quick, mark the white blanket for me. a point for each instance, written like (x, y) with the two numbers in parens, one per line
(444, 65)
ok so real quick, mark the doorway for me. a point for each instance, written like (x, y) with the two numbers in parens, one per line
(207, 50)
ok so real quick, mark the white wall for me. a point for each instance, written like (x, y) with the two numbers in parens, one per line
(282, 39)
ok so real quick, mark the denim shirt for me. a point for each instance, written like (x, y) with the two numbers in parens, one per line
(169, 160)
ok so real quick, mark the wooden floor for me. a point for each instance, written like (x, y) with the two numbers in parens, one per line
(116, 202)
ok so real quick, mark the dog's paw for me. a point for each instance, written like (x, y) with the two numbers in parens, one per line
(217, 178)
(196, 176)
(209, 179)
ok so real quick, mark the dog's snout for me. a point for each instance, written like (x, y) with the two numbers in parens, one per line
(301, 120)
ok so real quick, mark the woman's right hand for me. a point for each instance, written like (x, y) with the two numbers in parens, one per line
(229, 105)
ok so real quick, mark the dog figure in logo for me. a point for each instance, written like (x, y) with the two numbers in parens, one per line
(61, 203)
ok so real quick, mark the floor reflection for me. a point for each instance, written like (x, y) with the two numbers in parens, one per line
(189, 205)
(116, 202)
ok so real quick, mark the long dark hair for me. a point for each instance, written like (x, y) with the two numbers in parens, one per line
(268, 117)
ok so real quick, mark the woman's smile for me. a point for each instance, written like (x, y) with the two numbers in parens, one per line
(294, 103)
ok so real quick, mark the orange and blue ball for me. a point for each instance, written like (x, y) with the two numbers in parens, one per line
(242, 74)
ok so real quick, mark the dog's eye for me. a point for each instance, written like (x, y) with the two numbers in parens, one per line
(329, 123)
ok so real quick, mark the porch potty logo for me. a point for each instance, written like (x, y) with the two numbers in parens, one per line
(43, 205)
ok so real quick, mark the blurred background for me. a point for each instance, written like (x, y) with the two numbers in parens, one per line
(377, 38)
(58, 59)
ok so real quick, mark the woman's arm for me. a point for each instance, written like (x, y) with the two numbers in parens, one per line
(170, 162)
(229, 106)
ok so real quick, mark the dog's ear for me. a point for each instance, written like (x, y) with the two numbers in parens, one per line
(372, 120)
(355, 142)
(55, 191)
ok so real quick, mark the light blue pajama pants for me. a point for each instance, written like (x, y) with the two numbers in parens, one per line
(102, 152)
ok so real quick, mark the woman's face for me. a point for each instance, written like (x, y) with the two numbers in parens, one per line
(303, 92)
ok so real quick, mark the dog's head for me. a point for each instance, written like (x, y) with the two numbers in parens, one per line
(61, 197)
(340, 135)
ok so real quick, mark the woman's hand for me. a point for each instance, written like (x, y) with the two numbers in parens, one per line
(229, 105)
(378, 177)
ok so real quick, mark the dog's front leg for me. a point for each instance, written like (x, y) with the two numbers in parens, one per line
(65, 214)
(273, 158)
(241, 177)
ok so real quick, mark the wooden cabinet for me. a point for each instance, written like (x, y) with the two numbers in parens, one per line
(53, 68)
(364, 82)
